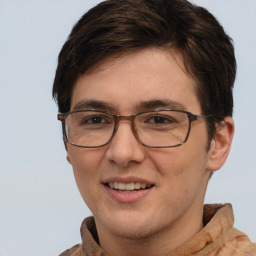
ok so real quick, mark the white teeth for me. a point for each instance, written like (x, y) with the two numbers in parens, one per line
(143, 186)
(128, 186)
(137, 185)
(121, 186)
(116, 186)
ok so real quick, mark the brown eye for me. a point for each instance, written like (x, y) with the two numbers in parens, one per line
(160, 120)
(95, 120)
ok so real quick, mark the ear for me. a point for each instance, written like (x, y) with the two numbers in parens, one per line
(221, 144)
(68, 157)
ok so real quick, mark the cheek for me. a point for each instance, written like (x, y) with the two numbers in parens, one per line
(182, 168)
(174, 161)
(182, 177)
(85, 163)
(83, 159)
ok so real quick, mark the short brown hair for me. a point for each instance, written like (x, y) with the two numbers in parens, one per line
(117, 26)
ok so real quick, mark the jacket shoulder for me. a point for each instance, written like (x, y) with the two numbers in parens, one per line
(237, 244)
(241, 245)
(73, 251)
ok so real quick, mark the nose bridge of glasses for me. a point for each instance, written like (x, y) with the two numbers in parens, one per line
(125, 120)
(128, 118)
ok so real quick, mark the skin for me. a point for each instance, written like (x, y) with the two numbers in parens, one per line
(171, 212)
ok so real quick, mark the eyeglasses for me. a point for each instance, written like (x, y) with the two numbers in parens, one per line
(161, 128)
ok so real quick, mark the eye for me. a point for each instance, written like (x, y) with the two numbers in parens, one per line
(95, 120)
(160, 120)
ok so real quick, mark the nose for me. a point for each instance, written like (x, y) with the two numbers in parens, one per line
(124, 147)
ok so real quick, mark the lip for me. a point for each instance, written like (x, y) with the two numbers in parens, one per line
(127, 196)
(127, 180)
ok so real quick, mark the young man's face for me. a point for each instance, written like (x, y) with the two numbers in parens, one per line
(177, 176)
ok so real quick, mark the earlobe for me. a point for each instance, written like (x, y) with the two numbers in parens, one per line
(221, 144)
(68, 158)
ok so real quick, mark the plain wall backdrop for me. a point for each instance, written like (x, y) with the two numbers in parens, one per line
(40, 207)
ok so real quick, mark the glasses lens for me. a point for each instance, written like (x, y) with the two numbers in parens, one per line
(167, 128)
(89, 128)
(162, 128)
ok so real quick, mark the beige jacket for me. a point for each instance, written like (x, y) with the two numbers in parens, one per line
(217, 238)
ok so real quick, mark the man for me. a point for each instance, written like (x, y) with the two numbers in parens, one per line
(144, 90)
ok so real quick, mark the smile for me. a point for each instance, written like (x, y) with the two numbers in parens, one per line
(131, 186)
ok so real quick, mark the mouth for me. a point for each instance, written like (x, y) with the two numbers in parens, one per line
(128, 187)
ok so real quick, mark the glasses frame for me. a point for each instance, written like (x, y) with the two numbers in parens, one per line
(117, 118)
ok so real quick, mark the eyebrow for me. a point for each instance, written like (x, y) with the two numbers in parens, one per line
(141, 106)
(93, 104)
(156, 104)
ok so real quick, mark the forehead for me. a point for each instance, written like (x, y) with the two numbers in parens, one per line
(146, 75)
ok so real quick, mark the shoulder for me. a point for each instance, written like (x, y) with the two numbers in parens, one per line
(73, 251)
(235, 242)
(89, 244)
(226, 240)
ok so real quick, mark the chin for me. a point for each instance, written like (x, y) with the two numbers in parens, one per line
(133, 227)
(129, 232)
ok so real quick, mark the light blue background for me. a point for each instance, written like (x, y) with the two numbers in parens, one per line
(40, 207)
